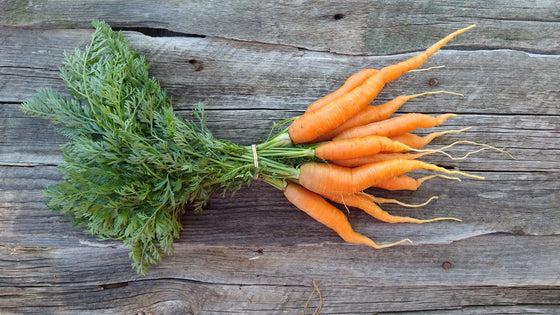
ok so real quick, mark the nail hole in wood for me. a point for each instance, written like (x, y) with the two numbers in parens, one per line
(433, 82)
(198, 65)
(338, 16)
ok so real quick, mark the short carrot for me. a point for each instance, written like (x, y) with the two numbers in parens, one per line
(352, 82)
(399, 182)
(367, 203)
(373, 113)
(418, 142)
(327, 214)
(315, 123)
(405, 182)
(395, 126)
(325, 178)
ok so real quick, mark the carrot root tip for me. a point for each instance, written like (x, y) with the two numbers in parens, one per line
(393, 244)
(483, 145)
(427, 69)
(423, 179)
(442, 219)
(400, 203)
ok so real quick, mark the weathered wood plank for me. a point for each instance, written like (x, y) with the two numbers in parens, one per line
(352, 27)
(177, 296)
(233, 75)
(259, 215)
(411, 279)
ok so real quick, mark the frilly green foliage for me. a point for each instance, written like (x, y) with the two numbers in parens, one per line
(132, 165)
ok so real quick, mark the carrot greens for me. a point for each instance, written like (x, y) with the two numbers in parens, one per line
(132, 164)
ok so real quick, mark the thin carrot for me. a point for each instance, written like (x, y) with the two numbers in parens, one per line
(392, 72)
(418, 142)
(352, 82)
(373, 113)
(378, 158)
(405, 182)
(315, 123)
(395, 126)
(326, 178)
(367, 203)
(327, 214)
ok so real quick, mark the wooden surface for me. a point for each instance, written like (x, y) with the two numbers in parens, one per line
(257, 62)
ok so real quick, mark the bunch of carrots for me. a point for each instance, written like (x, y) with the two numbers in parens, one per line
(133, 164)
(360, 146)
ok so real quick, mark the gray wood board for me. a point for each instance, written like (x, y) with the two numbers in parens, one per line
(349, 27)
(278, 279)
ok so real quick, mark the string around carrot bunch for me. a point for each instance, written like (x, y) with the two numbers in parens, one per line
(132, 165)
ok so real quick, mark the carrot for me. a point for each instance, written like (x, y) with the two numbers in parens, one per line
(327, 214)
(405, 182)
(378, 158)
(395, 126)
(392, 72)
(315, 123)
(352, 82)
(358, 147)
(367, 203)
(327, 178)
(373, 113)
(417, 142)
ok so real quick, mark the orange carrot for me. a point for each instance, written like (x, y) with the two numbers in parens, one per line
(367, 203)
(392, 72)
(315, 123)
(405, 182)
(373, 113)
(326, 178)
(358, 147)
(399, 182)
(352, 82)
(417, 142)
(395, 126)
(378, 158)
(325, 213)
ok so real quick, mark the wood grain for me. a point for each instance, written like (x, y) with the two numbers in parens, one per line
(255, 63)
(356, 27)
